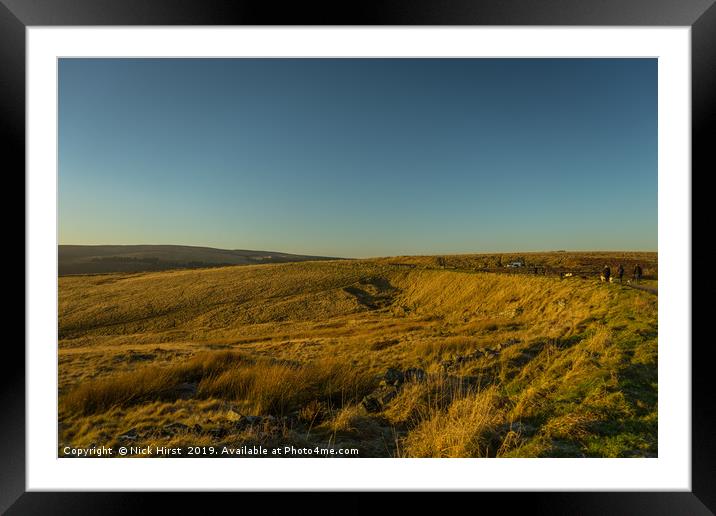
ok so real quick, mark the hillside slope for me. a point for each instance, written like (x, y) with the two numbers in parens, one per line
(394, 361)
(94, 259)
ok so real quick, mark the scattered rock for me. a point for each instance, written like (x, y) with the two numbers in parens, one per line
(185, 390)
(135, 356)
(391, 383)
(293, 418)
(231, 415)
(383, 344)
(265, 423)
(261, 424)
(218, 433)
(174, 428)
(477, 354)
(517, 427)
(379, 398)
(129, 435)
(246, 421)
(393, 376)
(415, 374)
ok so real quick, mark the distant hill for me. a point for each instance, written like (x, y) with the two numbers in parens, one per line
(94, 259)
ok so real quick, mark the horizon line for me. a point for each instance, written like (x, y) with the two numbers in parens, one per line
(378, 256)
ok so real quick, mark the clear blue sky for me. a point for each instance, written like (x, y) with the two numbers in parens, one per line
(360, 157)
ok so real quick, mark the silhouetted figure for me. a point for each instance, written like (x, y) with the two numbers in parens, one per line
(620, 273)
(637, 273)
(606, 273)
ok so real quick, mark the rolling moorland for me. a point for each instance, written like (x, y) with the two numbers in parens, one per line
(398, 357)
(98, 259)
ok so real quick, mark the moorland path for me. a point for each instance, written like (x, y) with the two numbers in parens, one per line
(652, 290)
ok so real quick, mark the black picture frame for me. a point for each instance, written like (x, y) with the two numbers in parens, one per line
(700, 15)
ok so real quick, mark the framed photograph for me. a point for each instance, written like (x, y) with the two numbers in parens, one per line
(409, 249)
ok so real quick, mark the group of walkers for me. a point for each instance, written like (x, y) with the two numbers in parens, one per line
(607, 274)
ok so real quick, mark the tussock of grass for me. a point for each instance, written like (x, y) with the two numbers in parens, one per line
(353, 421)
(418, 401)
(574, 425)
(462, 430)
(270, 388)
(146, 383)
(279, 389)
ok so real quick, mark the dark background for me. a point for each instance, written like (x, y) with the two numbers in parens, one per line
(15, 15)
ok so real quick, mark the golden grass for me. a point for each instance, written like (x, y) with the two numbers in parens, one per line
(278, 388)
(272, 388)
(462, 430)
(146, 383)
(573, 361)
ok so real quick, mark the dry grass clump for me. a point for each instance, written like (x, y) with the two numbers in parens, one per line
(313, 412)
(271, 388)
(279, 389)
(353, 421)
(462, 430)
(418, 401)
(268, 387)
(348, 419)
(574, 425)
(147, 383)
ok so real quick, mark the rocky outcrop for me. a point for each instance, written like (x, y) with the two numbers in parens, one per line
(391, 383)
(490, 352)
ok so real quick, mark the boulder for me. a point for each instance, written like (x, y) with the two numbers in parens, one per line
(246, 421)
(218, 433)
(185, 390)
(393, 376)
(379, 398)
(129, 435)
(415, 374)
(174, 428)
(232, 415)
(446, 364)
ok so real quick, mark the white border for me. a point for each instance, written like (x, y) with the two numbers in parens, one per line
(670, 471)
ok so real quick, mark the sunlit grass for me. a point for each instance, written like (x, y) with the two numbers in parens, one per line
(515, 365)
